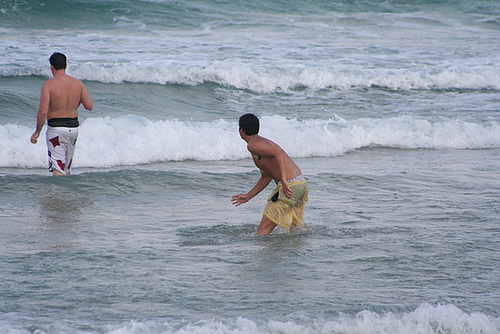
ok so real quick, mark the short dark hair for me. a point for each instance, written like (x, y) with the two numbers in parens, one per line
(249, 123)
(58, 60)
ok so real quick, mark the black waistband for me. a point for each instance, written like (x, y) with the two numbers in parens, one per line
(65, 122)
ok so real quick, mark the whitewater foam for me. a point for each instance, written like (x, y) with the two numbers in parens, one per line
(132, 140)
(426, 319)
(265, 80)
(336, 53)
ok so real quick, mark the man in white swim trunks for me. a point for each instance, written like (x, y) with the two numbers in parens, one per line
(285, 206)
(60, 98)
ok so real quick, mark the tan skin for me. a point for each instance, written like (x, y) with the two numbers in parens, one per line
(274, 164)
(60, 97)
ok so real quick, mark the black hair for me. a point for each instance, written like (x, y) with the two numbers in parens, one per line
(58, 60)
(249, 123)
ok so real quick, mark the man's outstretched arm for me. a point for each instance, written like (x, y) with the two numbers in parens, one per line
(261, 185)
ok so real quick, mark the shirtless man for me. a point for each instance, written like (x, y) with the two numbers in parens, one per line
(285, 207)
(60, 98)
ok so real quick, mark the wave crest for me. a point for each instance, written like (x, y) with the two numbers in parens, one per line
(268, 80)
(426, 319)
(132, 140)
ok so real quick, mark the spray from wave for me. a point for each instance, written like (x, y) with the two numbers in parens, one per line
(132, 140)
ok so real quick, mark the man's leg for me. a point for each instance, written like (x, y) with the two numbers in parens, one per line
(266, 226)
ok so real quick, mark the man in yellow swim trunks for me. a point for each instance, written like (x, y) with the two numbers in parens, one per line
(285, 206)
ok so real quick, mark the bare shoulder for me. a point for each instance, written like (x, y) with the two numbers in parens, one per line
(262, 146)
(49, 86)
(73, 80)
(50, 82)
(257, 142)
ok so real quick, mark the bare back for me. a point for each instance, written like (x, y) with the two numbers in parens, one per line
(60, 98)
(65, 96)
(265, 158)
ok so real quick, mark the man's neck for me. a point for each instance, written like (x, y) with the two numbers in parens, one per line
(58, 73)
(250, 138)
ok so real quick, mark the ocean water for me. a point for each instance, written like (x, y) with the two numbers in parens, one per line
(390, 108)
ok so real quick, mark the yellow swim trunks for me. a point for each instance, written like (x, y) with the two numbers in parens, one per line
(283, 211)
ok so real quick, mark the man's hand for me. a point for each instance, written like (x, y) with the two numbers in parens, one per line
(287, 190)
(34, 137)
(239, 199)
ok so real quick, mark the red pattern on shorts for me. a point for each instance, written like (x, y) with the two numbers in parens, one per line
(55, 141)
(61, 164)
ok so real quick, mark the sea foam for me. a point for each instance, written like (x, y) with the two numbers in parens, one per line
(426, 319)
(132, 140)
(263, 79)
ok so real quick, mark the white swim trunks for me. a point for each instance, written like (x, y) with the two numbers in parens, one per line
(61, 143)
